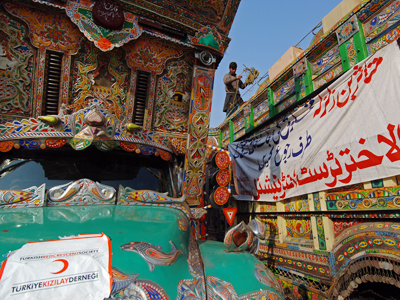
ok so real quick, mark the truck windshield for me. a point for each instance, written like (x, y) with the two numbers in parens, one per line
(23, 168)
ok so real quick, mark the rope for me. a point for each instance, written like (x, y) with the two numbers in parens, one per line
(232, 105)
(254, 84)
(311, 31)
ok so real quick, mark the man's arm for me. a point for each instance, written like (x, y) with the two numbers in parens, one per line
(228, 78)
(242, 85)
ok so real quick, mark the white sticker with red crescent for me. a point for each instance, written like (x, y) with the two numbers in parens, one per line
(71, 268)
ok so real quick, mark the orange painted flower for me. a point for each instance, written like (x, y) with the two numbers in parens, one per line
(104, 43)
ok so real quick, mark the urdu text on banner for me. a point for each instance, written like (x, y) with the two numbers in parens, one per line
(349, 133)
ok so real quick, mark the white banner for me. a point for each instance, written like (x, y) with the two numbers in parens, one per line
(347, 134)
(75, 268)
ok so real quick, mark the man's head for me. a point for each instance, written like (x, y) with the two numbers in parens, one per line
(232, 67)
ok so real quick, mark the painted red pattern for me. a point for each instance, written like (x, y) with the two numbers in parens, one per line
(6, 146)
(221, 195)
(340, 226)
(130, 147)
(222, 160)
(165, 155)
(55, 143)
(223, 177)
(318, 269)
(297, 254)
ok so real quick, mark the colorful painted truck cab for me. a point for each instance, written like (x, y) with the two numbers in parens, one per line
(67, 176)
(104, 113)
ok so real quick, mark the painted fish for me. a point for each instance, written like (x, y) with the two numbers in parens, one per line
(153, 254)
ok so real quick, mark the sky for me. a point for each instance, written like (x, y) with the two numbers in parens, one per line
(262, 31)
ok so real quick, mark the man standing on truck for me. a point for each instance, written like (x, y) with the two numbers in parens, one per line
(232, 85)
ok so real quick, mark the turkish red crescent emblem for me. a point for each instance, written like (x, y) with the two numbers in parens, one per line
(65, 266)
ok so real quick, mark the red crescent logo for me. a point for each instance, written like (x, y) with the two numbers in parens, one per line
(64, 267)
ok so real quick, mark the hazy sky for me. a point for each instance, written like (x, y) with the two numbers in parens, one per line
(261, 33)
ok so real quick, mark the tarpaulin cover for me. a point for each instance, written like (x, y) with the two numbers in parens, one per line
(347, 134)
(74, 268)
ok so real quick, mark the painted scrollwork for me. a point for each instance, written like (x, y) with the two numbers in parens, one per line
(133, 292)
(261, 295)
(100, 76)
(84, 191)
(239, 237)
(220, 289)
(196, 266)
(191, 289)
(153, 254)
(105, 40)
(95, 128)
(75, 126)
(173, 95)
(211, 9)
(183, 224)
(131, 195)
(16, 68)
(197, 212)
(266, 277)
(121, 280)
(47, 28)
(141, 290)
(246, 237)
(33, 196)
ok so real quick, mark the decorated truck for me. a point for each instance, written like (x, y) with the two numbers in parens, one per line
(104, 113)
(64, 178)
(316, 153)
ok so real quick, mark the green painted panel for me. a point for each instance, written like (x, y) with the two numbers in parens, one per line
(235, 268)
(271, 103)
(344, 58)
(122, 224)
(359, 41)
(308, 79)
(231, 132)
(251, 117)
